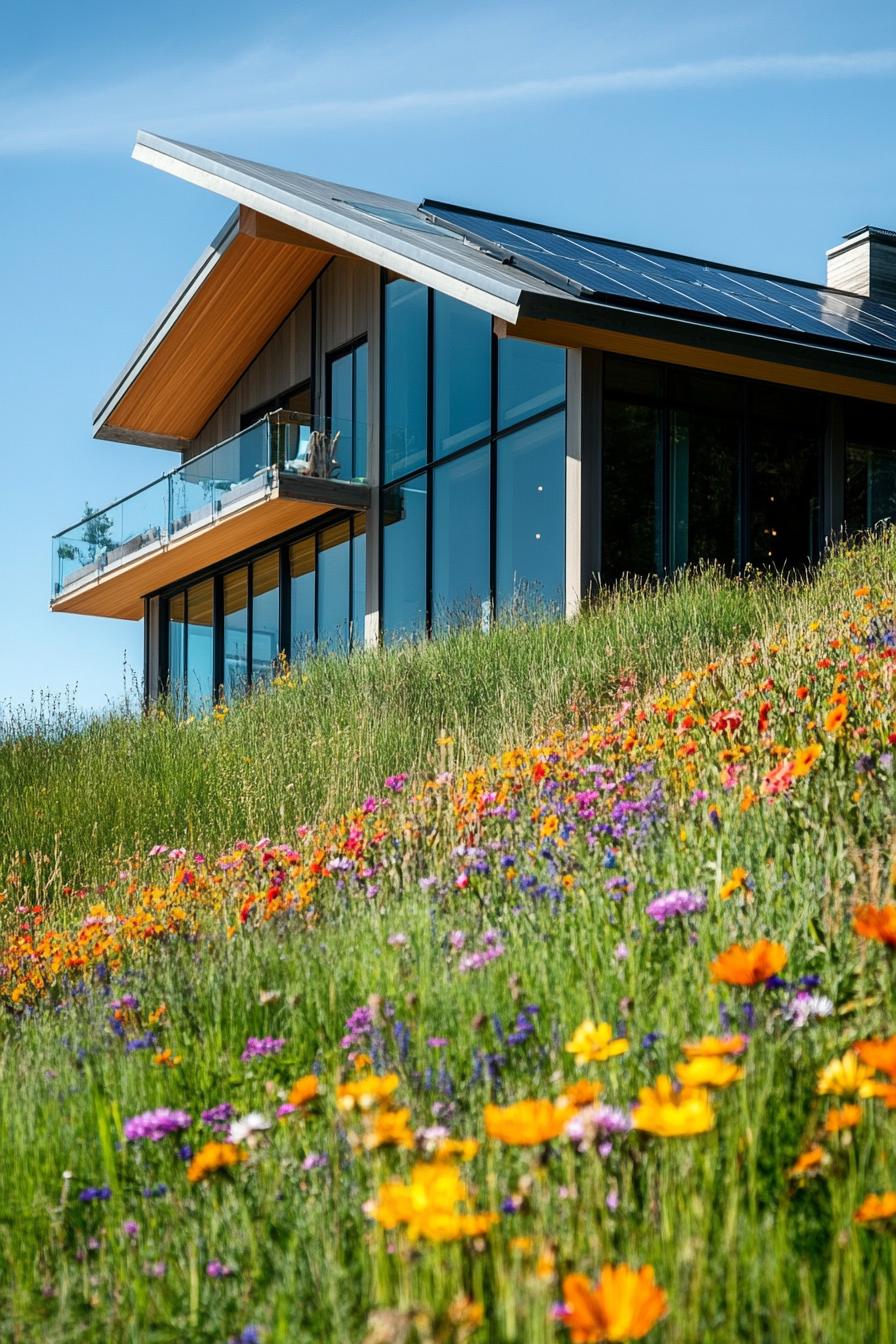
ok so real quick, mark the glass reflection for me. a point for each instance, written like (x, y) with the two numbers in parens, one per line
(236, 632)
(460, 542)
(632, 489)
(531, 517)
(462, 345)
(301, 598)
(200, 646)
(404, 561)
(265, 615)
(531, 379)
(405, 399)
(332, 589)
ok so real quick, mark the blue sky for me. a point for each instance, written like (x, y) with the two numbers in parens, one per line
(756, 134)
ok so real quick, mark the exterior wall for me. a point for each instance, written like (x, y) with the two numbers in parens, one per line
(283, 362)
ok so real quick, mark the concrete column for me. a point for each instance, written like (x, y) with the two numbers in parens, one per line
(374, 530)
(584, 370)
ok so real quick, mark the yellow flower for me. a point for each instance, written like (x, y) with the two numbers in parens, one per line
(624, 1304)
(845, 1077)
(390, 1129)
(736, 881)
(847, 1117)
(525, 1123)
(804, 759)
(876, 1207)
(673, 1114)
(366, 1092)
(428, 1205)
(835, 718)
(581, 1093)
(167, 1060)
(593, 1042)
(463, 1149)
(708, 1071)
(213, 1157)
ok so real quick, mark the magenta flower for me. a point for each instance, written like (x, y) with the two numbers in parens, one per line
(156, 1125)
(395, 783)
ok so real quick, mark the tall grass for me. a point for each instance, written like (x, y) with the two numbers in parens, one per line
(75, 792)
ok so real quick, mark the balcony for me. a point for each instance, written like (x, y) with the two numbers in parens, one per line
(286, 469)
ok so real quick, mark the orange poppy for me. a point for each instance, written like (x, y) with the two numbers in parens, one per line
(877, 922)
(749, 965)
(835, 719)
(624, 1304)
(812, 1157)
(525, 1123)
(303, 1090)
(805, 758)
(847, 1117)
(876, 1207)
(714, 1045)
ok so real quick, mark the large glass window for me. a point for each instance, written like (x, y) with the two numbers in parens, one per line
(870, 468)
(462, 345)
(176, 646)
(531, 516)
(531, 379)
(359, 579)
(200, 646)
(265, 615)
(301, 598)
(704, 488)
(632, 489)
(333, 589)
(404, 560)
(405, 390)
(347, 401)
(236, 632)
(461, 535)
(786, 435)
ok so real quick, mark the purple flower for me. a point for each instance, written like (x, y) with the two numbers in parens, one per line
(437, 1042)
(314, 1160)
(286, 1109)
(676, 903)
(594, 1124)
(397, 940)
(157, 1270)
(130, 1229)
(215, 1269)
(218, 1117)
(92, 1192)
(156, 1124)
(395, 783)
(258, 1046)
(357, 1027)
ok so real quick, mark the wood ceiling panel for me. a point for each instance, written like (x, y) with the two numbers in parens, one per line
(250, 291)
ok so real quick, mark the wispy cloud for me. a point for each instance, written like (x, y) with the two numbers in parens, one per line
(252, 91)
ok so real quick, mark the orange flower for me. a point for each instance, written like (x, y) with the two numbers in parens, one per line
(708, 1071)
(877, 922)
(878, 1054)
(736, 881)
(213, 1157)
(812, 1157)
(805, 758)
(847, 1117)
(303, 1090)
(167, 1060)
(886, 1092)
(749, 965)
(581, 1093)
(624, 1304)
(525, 1123)
(463, 1149)
(876, 1207)
(673, 1114)
(835, 718)
(714, 1045)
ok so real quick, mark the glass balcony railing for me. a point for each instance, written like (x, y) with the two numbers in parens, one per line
(206, 487)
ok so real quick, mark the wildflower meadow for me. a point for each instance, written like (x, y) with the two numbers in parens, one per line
(575, 1023)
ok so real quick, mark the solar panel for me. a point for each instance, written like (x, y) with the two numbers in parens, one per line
(597, 268)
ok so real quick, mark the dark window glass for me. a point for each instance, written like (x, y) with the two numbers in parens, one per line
(704, 488)
(405, 410)
(200, 646)
(176, 616)
(632, 489)
(531, 528)
(633, 378)
(531, 379)
(359, 579)
(332, 588)
(236, 632)
(301, 598)
(785, 483)
(710, 391)
(462, 341)
(461, 542)
(348, 410)
(265, 615)
(404, 561)
(870, 484)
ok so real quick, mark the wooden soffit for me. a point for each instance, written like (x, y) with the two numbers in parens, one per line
(252, 278)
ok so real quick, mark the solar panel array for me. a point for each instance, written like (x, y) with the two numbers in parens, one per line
(593, 267)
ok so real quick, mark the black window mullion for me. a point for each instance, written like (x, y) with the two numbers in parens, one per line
(430, 483)
(493, 485)
(250, 567)
(285, 634)
(218, 635)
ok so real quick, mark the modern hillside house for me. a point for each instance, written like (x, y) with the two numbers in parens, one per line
(396, 418)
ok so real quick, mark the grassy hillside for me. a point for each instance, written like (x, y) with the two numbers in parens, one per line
(258, 1087)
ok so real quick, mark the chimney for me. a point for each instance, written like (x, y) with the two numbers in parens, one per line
(865, 263)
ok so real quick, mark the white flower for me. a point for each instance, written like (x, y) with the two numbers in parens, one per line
(253, 1123)
(803, 1007)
